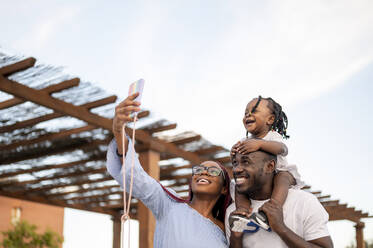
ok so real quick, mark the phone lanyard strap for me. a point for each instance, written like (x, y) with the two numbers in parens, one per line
(127, 205)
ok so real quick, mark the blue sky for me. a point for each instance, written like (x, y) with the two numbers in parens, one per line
(204, 60)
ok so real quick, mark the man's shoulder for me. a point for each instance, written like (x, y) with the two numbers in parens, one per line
(298, 195)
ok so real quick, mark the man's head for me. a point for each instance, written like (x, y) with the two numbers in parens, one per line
(253, 172)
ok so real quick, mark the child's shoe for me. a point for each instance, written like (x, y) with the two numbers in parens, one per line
(239, 223)
(260, 218)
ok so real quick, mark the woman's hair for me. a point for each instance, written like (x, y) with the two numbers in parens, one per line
(221, 205)
(280, 124)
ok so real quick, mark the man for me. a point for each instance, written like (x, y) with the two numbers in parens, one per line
(301, 222)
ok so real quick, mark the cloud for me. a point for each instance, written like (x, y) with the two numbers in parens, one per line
(292, 51)
(46, 27)
(202, 62)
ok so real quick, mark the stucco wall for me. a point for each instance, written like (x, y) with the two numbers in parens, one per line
(42, 215)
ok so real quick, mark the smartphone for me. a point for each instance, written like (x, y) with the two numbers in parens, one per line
(135, 87)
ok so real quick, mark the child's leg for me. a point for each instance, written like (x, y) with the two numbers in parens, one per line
(242, 202)
(281, 184)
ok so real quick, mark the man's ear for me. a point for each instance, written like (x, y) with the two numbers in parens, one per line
(270, 166)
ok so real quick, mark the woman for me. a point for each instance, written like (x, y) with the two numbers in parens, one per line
(197, 222)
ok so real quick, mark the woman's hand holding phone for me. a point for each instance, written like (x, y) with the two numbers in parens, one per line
(123, 116)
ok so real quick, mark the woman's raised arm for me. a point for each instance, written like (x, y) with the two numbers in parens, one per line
(145, 188)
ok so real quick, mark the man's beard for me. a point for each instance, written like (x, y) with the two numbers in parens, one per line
(257, 185)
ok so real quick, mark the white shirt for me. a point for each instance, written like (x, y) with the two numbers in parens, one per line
(303, 214)
(282, 163)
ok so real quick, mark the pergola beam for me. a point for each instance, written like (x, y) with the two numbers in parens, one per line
(186, 140)
(209, 150)
(39, 180)
(143, 114)
(175, 177)
(93, 197)
(355, 217)
(161, 146)
(41, 98)
(92, 201)
(223, 160)
(323, 197)
(117, 205)
(177, 183)
(30, 122)
(54, 150)
(50, 89)
(47, 117)
(57, 135)
(49, 167)
(44, 99)
(182, 191)
(64, 185)
(161, 128)
(83, 190)
(330, 203)
(49, 136)
(169, 169)
(316, 192)
(18, 66)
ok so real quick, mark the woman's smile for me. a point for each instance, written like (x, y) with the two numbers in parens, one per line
(203, 181)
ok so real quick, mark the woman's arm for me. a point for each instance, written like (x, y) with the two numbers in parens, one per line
(145, 188)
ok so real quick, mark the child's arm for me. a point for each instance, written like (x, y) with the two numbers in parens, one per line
(252, 145)
(242, 202)
(281, 184)
(274, 147)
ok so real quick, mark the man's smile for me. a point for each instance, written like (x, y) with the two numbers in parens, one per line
(241, 178)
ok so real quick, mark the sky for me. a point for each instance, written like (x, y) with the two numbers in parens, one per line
(204, 60)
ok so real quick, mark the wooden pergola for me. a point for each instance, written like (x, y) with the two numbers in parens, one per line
(54, 132)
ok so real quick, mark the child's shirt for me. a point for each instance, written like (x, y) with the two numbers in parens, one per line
(282, 163)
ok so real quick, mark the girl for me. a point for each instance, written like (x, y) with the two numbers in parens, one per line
(266, 123)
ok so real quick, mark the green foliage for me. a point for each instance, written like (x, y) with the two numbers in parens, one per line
(24, 235)
(368, 244)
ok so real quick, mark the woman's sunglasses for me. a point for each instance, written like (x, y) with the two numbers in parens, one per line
(212, 171)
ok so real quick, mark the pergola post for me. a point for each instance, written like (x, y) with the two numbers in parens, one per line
(116, 230)
(360, 235)
(149, 160)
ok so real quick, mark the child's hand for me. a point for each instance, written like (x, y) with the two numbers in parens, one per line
(243, 211)
(250, 145)
(234, 148)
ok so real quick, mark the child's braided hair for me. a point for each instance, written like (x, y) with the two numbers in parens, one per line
(280, 124)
